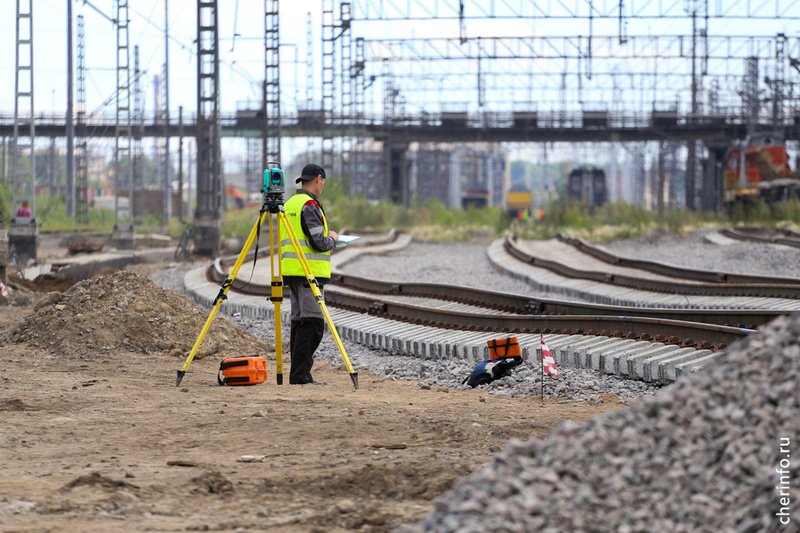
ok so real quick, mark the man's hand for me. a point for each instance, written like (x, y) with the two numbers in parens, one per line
(333, 234)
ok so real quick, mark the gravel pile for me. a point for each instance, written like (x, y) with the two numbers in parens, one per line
(713, 452)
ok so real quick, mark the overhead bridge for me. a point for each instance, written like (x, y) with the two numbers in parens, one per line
(594, 126)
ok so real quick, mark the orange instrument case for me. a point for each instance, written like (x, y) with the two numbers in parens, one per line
(508, 347)
(242, 371)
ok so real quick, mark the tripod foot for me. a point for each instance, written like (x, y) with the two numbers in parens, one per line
(181, 373)
(354, 377)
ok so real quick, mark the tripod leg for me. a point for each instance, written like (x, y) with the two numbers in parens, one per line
(222, 296)
(276, 298)
(317, 294)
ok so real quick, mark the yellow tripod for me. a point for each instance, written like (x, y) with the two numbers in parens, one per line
(273, 205)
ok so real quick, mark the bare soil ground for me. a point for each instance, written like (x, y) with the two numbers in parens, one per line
(95, 436)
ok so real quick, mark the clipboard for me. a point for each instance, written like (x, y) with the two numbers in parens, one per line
(345, 239)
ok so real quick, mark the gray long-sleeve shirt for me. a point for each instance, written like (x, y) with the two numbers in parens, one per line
(313, 225)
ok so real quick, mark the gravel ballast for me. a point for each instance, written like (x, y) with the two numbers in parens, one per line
(713, 452)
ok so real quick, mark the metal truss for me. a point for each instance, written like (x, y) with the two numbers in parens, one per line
(81, 146)
(271, 138)
(23, 160)
(552, 74)
(328, 81)
(569, 9)
(123, 160)
(345, 74)
(604, 48)
(137, 202)
(208, 215)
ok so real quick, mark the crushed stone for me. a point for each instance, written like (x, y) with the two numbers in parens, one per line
(710, 453)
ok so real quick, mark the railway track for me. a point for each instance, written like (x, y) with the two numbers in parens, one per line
(575, 269)
(442, 321)
(782, 236)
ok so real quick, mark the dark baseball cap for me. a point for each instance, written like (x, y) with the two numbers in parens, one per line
(310, 171)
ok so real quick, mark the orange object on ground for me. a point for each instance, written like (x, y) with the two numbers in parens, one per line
(242, 371)
(508, 347)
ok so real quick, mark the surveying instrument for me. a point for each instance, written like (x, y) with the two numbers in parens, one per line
(273, 205)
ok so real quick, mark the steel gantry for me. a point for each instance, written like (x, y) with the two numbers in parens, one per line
(208, 215)
(328, 81)
(122, 236)
(271, 135)
(22, 231)
(81, 144)
(137, 203)
(616, 10)
(344, 117)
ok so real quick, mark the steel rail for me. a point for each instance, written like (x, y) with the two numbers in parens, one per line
(687, 273)
(763, 289)
(690, 334)
(519, 304)
(784, 236)
(523, 314)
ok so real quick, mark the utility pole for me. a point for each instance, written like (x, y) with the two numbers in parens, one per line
(165, 122)
(138, 134)
(122, 235)
(691, 162)
(22, 231)
(70, 192)
(208, 213)
(180, 163)
(328, 82)
(81, 147)
(271, 135)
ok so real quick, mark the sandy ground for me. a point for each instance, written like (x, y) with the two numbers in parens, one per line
(95, 435)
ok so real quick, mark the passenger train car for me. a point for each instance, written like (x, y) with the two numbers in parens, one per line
(587, 185)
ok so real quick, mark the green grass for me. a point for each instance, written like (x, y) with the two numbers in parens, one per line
(617, 221)
(435, 222)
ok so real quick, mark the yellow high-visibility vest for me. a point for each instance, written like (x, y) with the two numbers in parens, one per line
(320, 262)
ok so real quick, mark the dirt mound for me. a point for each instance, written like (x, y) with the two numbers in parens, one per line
(127, 311)
(43, 283)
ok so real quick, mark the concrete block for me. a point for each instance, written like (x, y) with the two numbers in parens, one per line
(692, 366)
(650, 365)
(619, 360)
(666, 367)
(635, 363)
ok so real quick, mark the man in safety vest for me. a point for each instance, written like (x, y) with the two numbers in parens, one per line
(305, 214)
